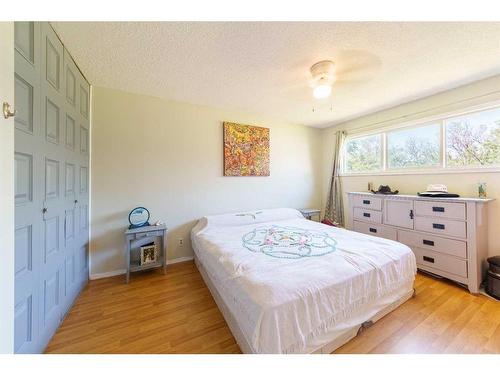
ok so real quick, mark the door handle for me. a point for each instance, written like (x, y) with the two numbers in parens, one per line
(411, 214)
(7, 112)
(44, 210)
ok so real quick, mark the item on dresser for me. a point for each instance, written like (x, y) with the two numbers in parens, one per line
(385, 189)
(138, 217)
(493, 282)
(438, 191)
(447, 235)
(481, 190)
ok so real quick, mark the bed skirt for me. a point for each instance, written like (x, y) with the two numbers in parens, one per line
(328, 342)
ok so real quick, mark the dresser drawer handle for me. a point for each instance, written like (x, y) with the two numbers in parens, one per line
(373, 230)
(438, 209)
(366, 214)
(438, 226)
(366, 201)
(428, 242)
(429, 259)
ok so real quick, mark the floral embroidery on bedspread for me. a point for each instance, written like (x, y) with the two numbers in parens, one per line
(289, 242)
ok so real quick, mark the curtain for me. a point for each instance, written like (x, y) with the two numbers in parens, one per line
(334, 210)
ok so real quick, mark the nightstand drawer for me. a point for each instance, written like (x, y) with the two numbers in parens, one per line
(441, 226)
(375, 230)
(367, 215)
(441, 262)
(372, 203)
(433, 243)
(449, 210)
(153, 233)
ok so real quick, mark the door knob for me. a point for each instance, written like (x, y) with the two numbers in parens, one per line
(44, 210)
(7, 112)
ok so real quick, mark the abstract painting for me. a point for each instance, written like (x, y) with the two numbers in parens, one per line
(246, 150)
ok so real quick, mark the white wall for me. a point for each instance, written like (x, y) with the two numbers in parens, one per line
(464, 184)
(167, 157)
(7, 190)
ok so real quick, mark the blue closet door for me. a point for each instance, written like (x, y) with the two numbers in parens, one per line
(51, 184)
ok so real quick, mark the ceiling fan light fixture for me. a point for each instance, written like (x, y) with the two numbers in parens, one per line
(322, 91)
(323, 75)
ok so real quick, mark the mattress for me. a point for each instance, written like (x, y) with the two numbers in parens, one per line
(290, 283)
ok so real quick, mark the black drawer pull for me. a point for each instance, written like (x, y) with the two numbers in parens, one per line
(373, 230)
(438, 209)
(428, 242)
(366, 201)
(429, 259)
(438, 226)
(366, 214)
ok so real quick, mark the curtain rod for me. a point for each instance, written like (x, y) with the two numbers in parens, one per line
(423, 111)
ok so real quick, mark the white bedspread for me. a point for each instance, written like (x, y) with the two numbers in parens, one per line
(288, 280)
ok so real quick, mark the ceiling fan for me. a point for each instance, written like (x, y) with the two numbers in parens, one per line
(353, 66)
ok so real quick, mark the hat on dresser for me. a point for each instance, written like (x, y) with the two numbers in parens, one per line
(385, 189)
(438, 190)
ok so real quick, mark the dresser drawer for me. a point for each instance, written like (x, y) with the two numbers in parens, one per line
(441, 226)
(449, 210)
(375, 230)
(373, 203)
(433, 243)
(441, 262)
(367, 215)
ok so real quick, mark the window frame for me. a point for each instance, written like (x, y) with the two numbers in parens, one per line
(382, 154)
(442, 167)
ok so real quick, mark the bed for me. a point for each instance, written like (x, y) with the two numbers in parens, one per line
(289, 285)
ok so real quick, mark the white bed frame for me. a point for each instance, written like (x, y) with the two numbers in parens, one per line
(331, 346)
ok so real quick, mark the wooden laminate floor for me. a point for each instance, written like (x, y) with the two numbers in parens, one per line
(175, 313)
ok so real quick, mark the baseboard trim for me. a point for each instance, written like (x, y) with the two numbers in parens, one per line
(96, 276)
(179, 260)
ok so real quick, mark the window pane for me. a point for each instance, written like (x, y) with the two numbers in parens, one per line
(473, 139)
(364, 154)
(413, 148)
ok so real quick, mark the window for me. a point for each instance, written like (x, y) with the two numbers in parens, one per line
(414, 148)
(473, 139)
(462, 141)
(364, 154)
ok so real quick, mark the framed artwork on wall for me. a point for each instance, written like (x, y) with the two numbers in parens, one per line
(246, 150)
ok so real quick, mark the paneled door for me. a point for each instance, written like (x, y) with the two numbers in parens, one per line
(398, 212)
(51, 184)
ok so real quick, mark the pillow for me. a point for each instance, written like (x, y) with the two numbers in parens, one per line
(249, 217)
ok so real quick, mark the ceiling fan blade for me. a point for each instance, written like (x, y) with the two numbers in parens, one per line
(356, 66)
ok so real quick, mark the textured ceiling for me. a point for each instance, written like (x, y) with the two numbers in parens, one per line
(264, 67)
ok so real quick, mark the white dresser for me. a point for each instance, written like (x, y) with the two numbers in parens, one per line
(448, 235)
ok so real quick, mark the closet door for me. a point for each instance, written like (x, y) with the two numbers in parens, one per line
(51, 188)
(70, 189)
(54, 203)
(82, 160)
(27, 186)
